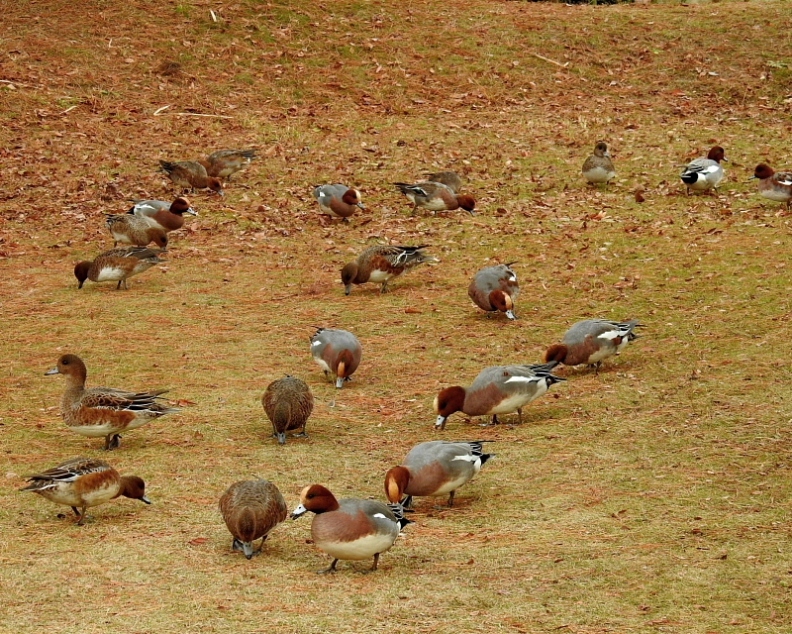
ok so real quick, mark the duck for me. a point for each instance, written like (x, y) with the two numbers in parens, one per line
(288, 403)
(136, 231)
(774, 185)
(449, 178)
(191, 175)
(161, 214)
(224, 163)
(117, 265)
(705, 173)
(495, 289)
(337, 352)
(436, 197)
(381, 263)
(85, 482)
(500, 389)
(104, 411)
(338, 200)
(433, 468)
(598, 167)
(350, 529)
(592, 341)
(251, 509)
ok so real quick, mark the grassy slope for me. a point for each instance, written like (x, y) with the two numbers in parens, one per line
(653, 497)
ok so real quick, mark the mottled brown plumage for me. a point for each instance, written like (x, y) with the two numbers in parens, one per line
(224, 163)
(191, 175)
(117, 265)
(288, 403)
(85, 482)
(380, 263)
(251, 509)
(135, 230)
(104, 411)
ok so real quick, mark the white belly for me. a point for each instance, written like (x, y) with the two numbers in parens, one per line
(513, 403)
(360, 548)
(379, 276)
(323, 364)
(66, 495)
(599, 175)
(435, 204)
(599, 355)
(776, 195)
(109, 273)
(453, 485)
(103, 429)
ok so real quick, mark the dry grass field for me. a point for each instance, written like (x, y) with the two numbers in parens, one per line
(654, 497)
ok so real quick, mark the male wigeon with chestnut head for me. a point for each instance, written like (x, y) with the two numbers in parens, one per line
(338, 200)
(191, 175)
(161, 214)
(251, 509)
(495, 289)
(433, 468)
(117, 265)
(224, 163)
(85, 482)
(774, 185)
(337, 352)
(592, 341)
(350, 529)
(705, 173)
(102, 411)
(381, 263)
(500, 389)
(436, 197)
(133, 230)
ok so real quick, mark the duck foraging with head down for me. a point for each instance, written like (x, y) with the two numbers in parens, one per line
(85, 482)
(350, 529)
(495, 289)
(117, 265)
(381, 263)
(338, 353)
(191, 175)
(251, 509)
(592, 341)
(338, 200)
(433, 468)
(288, 403)
(436, 197)
(500, 389)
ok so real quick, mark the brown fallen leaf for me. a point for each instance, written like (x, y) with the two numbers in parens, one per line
(198, 541)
